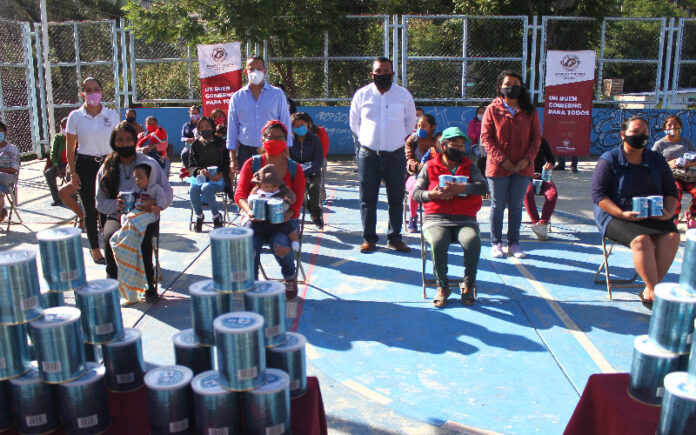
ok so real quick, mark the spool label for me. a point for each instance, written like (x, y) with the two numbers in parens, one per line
(245, 374)
(689, 338)
(69, 275)
(178, 426)
(28, 303)
(89, 421)
(238, 321)
(170, 377)
(3, 364)
(291, 310)
(278, 429)
(51, 366)
(125, 378)
(660, 392)
(36, 420)
(218, 431)
(240, 276)
(273, 331)
(106, 328)
(295, 385)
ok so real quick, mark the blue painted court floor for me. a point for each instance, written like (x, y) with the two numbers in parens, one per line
(388, 361)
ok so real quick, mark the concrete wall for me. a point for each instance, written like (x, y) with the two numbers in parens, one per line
(605, 124)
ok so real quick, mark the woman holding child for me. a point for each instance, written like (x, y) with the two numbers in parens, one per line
(274, 136)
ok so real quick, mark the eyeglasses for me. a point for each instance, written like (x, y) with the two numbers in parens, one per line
(274, 138)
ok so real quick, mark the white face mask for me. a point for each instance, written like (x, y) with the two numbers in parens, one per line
(256, 77)
(479, 117)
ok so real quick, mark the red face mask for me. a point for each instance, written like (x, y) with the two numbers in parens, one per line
(275, 147)
(219, 120)
(151, 128)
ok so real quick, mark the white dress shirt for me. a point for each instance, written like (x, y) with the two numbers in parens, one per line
(382, 121)
(93, 132)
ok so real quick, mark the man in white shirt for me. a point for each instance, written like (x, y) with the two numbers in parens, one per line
(382, 114)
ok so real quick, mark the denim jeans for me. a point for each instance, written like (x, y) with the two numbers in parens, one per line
(372, 169)
(440, 238)
(286, 262)
(207, 191)
(507, 192)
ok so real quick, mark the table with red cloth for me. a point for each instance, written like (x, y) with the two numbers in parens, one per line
(606, 408)
(129, 412)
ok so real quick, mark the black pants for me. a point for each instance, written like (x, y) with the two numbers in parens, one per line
(244, 153)
(87, 169)
(110, 227)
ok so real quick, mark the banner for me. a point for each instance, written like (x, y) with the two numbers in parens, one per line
(220, 70)
(568, 109)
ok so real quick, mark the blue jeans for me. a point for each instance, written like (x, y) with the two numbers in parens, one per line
(207, 191)
(507, 192)
(372, 169)
(286, 262)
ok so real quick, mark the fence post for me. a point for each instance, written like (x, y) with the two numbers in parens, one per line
(404, 51)
(667, 95)
(326, 64)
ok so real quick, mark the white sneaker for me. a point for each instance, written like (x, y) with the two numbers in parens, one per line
(514, 249)
(295, 246)
(497, 250)
(541, 231)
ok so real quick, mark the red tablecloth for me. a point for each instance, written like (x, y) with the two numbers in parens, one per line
(606, 408)
(129, 412)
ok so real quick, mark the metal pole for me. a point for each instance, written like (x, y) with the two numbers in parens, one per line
(668, 64)
(117, 78)
(404, 51)
(600, 61)
(465, 39)
(532, 78)
(677, 57)
(395, 47)
(659, 65)
(42, 89)
(326, 64)
(124, 65)
(78, 64)
(47, 74)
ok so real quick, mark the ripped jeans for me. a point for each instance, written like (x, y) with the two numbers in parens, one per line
(276, 240)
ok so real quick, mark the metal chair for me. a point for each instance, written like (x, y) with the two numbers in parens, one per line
(424, 257)
(157, 267)
(11, 198)
(299, 269)
(222, 197)
(612, 282)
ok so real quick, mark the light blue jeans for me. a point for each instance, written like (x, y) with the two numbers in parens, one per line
(286, 262)
(507, 192)
(207, 191)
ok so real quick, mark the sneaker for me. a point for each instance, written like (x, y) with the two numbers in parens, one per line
(58, 203)
(514, 249)
(217, 221)
(574, 169)
(691, 223)
(291, 289)
(319, 222)
(295, 246)
(558, 167)
(412, 226)
(540, 231)
(198, 226)
(497, 250)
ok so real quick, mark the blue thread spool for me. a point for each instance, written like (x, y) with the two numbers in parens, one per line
(687, 277)
(100, 304)
(206, 305)
(5, 410)
(35, 403)
(656, 204)
(649, 366)
(62, 260)
(690, 156)
(290, 358)
(267, 298)
(678, 405)
(276, 210)
(232, 253)
(123, 359)
(14, 351)
(58, 342)
(258, 207)
(546, 174)
(128, 198)
(84, 406)
(51, 299)
(267, 408)
(169, 399)
(461, 179)
(212, 170)
(641, 205)
(444, 179)
(240, 351)
(201, 179)
(537, 183)
(93, 353)
(190, 354)
(672, 321)
(19, 287)
(217, 409)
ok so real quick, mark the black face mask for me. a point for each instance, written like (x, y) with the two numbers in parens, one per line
(207, 134)
(511, 92)
(637, 141)
(382, 81)
(130, 119)
(125, 151)
(454, 154)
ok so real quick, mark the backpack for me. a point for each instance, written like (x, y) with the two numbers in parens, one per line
(256, 165)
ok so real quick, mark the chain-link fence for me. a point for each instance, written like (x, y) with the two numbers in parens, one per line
(685, 57)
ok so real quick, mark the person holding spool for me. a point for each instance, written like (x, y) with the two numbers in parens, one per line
(188, 136)
(274, 137)
(9, 167)
(56, 163)
(543, 162)
(630, 171)
(450, 212)
(208, 151)
(511, 135)
(91, 125)
(154, 143)
(418, 145)
(114, 179)
(307, 151)
(675, 148)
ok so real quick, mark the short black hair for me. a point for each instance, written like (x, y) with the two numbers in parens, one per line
(3, 127)
(90, 78)
(145, 167)
(382, 59)
(254, 57)
(624, 125)
(674, 117)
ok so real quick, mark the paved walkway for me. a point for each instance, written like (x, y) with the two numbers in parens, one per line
(388, 362)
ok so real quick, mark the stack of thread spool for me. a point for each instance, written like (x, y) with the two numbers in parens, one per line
(260, 365)
(660, 355)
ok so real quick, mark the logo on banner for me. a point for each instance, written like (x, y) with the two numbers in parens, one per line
(219, 54)
(570, 62)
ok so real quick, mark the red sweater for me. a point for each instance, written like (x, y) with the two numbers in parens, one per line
(297, 185)
(324, 139)
(459, 205)
(509, 137)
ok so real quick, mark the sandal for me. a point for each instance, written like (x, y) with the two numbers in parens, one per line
(468, 296)
(440, 300)
(100, 261)
(647, 303)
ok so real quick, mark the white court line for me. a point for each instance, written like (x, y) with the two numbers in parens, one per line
(311, 352)
(580, 336)
(468, 430)
(360, 388)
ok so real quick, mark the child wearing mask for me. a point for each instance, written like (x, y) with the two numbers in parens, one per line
(154, 143)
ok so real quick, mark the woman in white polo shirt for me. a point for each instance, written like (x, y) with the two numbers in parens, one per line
(90, 126)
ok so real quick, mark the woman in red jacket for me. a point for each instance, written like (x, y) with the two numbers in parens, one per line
(450, 212)
(511, 135)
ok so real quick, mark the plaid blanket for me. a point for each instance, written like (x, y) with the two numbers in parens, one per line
(125, 244)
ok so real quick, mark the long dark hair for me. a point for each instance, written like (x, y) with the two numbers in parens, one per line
(111, 177)
(524, 99)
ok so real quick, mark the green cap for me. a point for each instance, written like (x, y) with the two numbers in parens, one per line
(452, 132)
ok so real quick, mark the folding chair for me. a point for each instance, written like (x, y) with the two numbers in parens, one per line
(424, 257)
(157, 268)
(612, 282)
(222, 197)
(11, 198)
(299, 269)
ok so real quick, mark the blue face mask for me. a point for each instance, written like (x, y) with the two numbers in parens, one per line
(422, 133)
(2, 136)
(300, 131)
